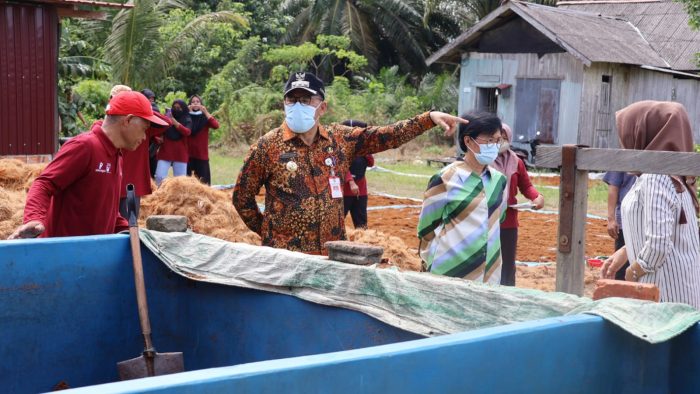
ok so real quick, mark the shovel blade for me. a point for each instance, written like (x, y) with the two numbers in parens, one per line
(163, 364)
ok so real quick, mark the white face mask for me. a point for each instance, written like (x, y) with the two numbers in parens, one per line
(300, 117)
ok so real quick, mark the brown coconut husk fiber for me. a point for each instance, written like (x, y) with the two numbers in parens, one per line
(395, 249)
(15, 179)
(16, 175)
(11, 211)
(208, 211)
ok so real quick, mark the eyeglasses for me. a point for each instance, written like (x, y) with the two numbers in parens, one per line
(306, 100)
(489, 142)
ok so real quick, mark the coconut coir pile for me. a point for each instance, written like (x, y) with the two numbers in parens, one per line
(208, 211)
(395, 250)
(15, 179)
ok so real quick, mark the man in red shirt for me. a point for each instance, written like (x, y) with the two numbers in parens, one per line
(77, 193)
(136, 163)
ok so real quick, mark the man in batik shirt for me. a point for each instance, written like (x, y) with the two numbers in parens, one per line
(301, 165)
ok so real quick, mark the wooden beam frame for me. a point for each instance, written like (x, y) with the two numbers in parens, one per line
(575, 162)
(625, 160)
(65, 12)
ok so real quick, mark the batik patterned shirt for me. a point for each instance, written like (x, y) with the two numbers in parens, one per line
(300, 213)
(459, 223)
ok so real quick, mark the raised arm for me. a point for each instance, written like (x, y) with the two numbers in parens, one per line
(376, 139)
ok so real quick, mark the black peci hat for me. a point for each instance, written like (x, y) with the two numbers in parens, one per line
(306, 81)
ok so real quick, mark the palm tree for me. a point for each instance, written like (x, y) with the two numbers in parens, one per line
(137, 52)
(384, 31)
(468, 12)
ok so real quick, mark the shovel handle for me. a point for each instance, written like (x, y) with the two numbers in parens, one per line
(138, 269)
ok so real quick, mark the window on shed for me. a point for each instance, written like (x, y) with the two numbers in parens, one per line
(604, 116)
(487, 100)
(537, 109)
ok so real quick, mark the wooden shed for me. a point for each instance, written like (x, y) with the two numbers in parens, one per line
(29, 42)
(563, 71)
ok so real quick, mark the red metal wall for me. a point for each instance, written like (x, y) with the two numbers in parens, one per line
(28, 79)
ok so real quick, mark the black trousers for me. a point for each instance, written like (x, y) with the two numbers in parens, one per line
(122, 208)
(509, 243)
(200, 169)
(153, 162)
(357, 206)
(620, 242)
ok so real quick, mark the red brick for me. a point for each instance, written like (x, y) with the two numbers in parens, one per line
(605, 288)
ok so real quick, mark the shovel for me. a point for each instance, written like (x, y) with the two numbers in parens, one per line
(149, 363)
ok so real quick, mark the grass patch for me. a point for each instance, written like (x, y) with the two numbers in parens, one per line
(226, 166)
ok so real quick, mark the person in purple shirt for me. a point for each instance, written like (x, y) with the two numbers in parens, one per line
(619, 183)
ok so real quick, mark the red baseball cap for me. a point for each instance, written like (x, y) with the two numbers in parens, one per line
(133, 103)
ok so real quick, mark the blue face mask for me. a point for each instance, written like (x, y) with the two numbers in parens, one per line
(299, 117)
(487, 154)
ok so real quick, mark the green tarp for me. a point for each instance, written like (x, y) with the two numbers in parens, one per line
(421, 303)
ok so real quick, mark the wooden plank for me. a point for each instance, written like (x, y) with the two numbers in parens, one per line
(570, 265)
(548, 156)
(625, 160)
(64, 12)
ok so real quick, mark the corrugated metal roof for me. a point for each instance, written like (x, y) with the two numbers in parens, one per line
(598, 38)
(90, 3)
(664, 23)
(28, 79)
(588, 36)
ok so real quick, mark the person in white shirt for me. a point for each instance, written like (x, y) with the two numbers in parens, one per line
(659, 213)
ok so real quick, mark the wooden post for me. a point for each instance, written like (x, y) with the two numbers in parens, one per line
(573, 204)
(573, 194)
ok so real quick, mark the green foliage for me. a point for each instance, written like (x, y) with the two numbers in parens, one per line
(172, 96)
(145, 43)
(94, 96)
(692, 7)
(328, 54)
(228, 51)
(245, 68)
(201, 53)
(249, 113)
(385, 32)
(89, 97)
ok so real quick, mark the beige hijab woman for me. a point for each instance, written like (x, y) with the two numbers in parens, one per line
(659, 225)
(658, 125)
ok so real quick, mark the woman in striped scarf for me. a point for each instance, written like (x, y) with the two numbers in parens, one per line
(464, 205)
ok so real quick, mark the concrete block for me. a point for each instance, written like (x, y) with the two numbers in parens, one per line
(354, 253)
(605, 288)
(167, 223)
(354, 248)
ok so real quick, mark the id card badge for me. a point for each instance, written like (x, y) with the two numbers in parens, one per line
(336, 191)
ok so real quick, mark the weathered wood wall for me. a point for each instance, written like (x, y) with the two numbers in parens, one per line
(585, 117)
(630, 84)
(491, 69)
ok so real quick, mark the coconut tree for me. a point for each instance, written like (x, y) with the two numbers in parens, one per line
(384, 31)
(137, 52)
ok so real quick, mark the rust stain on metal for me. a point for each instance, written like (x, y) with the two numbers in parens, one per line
(27, 287)
(194, 276)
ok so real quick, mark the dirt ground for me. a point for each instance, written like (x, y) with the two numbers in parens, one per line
(536, 243)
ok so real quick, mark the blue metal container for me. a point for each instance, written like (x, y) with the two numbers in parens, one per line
(69, 314)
